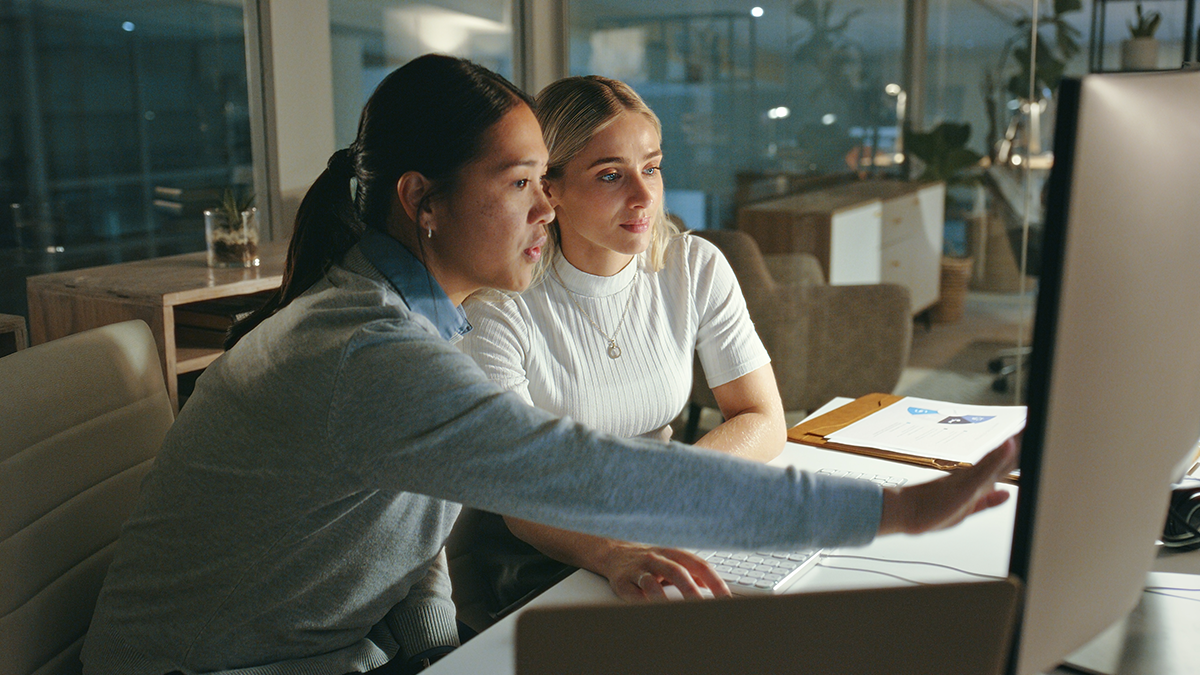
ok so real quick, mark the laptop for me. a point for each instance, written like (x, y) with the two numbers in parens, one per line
(951, 629)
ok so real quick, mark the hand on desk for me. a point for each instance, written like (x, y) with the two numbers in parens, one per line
(638, 572)
(946, 501)
(634, 571)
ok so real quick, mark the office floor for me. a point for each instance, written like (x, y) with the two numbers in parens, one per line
(948, 361)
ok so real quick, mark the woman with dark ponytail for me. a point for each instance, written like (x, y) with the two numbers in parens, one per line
(295, 518)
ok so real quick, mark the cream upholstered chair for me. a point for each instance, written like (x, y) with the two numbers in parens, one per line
(824, 341)
(80, 420)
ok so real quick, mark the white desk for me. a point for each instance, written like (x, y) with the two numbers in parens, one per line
(980, 545)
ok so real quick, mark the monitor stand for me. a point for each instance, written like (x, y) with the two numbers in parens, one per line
(1157, 638)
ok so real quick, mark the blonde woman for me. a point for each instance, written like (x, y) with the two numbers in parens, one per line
(608, 333)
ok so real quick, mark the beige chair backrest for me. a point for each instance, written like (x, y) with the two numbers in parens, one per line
(81, 419)
(824, 340)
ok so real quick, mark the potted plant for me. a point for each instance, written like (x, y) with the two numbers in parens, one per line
(1140, 51)
(944, 153)
(231, 232)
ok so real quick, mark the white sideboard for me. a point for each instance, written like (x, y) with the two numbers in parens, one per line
(863, 232)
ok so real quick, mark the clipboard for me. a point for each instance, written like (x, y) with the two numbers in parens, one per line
(815, 432)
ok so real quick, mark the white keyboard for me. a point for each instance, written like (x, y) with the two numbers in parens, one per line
(885, 481)
(772, 572)
(762, 572)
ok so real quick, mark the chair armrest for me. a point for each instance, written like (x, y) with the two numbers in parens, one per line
(795, 269)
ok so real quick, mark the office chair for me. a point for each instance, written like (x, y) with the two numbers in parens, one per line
(82, 418)
(824, 340)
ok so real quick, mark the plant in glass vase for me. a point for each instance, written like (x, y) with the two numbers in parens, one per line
(231, 231)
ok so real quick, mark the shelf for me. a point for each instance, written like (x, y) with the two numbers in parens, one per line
(1097, 38)
(191, 359)
(152, 290)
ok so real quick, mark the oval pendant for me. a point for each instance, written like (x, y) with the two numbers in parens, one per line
(614, 351)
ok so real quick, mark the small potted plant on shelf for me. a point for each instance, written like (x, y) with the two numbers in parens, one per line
(1140, 51)
(231, 232)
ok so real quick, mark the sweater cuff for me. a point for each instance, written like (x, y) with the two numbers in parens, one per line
(423, 627)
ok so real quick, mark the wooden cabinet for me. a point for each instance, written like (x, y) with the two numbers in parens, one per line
(63, 303)
(863, 232)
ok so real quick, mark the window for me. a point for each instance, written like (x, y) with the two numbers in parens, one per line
(763, 99)
(752, 94)
(124, 122)
(371, 39)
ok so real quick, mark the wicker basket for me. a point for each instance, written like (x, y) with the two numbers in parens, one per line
(952, 290)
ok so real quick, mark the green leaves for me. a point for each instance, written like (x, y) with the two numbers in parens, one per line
(1052, 55)
(1050, 70)
(234, 201)
(1063, 6)
(826, 47)
(1147, 24)
(943, 151)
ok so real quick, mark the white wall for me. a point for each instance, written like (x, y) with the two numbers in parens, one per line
(296, 100)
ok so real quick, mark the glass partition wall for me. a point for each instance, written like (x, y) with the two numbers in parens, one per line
(752, 95)
(123, 121)
(770, 98)
(126, 120)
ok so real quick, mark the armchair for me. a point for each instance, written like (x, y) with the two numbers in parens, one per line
(824, 340)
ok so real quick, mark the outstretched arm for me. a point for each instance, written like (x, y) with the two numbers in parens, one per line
(946, 501)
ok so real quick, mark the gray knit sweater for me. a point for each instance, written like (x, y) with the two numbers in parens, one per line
(295, 517)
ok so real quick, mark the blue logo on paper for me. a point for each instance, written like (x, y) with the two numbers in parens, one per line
(967, 419)
(913, 410)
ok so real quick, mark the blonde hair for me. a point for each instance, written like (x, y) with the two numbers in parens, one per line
(572, 111)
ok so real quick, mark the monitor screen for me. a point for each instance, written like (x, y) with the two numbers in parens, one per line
(1114, 386)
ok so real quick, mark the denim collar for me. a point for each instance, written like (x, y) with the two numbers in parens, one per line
(416, 286)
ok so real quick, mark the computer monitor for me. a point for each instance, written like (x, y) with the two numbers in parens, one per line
(1113, 409)
(1114, 386)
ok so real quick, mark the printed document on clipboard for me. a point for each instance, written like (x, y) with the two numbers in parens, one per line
(922, 431)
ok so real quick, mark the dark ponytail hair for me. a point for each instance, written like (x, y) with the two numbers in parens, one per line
(428, 116)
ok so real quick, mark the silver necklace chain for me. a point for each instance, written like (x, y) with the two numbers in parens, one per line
(614, 352)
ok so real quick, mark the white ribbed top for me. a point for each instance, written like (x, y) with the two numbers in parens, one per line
(540, 344)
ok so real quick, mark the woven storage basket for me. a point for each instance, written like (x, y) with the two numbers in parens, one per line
(952, 290)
